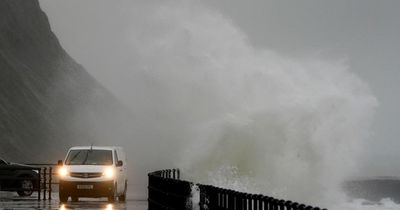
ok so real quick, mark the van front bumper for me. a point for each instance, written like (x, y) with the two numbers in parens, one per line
(87, 189)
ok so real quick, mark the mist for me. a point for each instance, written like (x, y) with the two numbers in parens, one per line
(203, 99)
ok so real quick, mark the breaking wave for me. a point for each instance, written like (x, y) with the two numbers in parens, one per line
(233, 115)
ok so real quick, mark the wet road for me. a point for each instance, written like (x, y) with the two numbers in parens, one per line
(11, 201)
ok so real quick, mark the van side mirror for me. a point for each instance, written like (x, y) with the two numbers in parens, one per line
(120, 163)
(59, 162)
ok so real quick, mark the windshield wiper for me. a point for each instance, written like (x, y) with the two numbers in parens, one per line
(76, 155)
(86, 157)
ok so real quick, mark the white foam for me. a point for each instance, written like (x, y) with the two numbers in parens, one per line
(245, 118)
(228, 114)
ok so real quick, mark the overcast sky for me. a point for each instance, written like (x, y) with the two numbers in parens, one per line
(364, 33)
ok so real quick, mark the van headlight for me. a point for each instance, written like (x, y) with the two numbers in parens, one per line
(62, 207)
(63, 172)
(109, 173)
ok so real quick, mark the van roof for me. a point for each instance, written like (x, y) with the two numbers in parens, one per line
(96, 147)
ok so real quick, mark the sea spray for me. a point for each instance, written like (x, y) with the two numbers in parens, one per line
(289, 127)
(228, 114)
(194, 200)
(245, 118)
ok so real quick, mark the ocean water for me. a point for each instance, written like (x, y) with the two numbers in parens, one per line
(361, 204)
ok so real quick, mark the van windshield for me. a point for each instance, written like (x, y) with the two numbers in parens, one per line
(89, 157)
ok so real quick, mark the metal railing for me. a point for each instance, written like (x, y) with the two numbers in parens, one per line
(42, 183)
(168, 192)
(218, 198)
(48, 178)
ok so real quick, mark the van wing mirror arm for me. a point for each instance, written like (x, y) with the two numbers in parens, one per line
(59, 162)
(120, 163)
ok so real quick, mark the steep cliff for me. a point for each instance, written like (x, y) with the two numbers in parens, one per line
(47, 100)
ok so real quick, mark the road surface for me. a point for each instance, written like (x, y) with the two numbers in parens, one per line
(11, 201)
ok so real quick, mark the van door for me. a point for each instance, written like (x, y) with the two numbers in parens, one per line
(122, 156)
(120, 174)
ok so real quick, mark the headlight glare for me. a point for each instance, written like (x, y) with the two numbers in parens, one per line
(109, 173)
(63, 172)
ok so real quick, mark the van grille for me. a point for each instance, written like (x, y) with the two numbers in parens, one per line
(86, 175)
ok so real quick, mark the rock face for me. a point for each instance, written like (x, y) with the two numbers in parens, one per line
(47, 101)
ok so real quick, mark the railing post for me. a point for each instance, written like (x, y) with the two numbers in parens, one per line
(295, 206)
(281, 204)
(288, 205)
(251, 202)
(247, 202)
(225, 198)
(238, 201)
(266, 202)
(244, 201)
(219, 197)
(274, 203)
(39, 182)
(44, 182)
(231, 200)
(259, 202)
(254, 202)
(302, 207)
(50, 181)
(214, 201)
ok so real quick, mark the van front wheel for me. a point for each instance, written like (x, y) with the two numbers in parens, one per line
(113, 194)
(63, 196)
(74, 198)
(123, 196)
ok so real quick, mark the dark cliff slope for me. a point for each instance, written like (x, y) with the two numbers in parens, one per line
(47, 101)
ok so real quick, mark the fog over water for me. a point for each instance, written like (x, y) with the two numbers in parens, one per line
(226, 113)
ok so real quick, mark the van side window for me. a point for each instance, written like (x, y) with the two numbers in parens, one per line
(115, 157)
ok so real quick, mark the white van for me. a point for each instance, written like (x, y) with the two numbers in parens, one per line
(92, 171)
